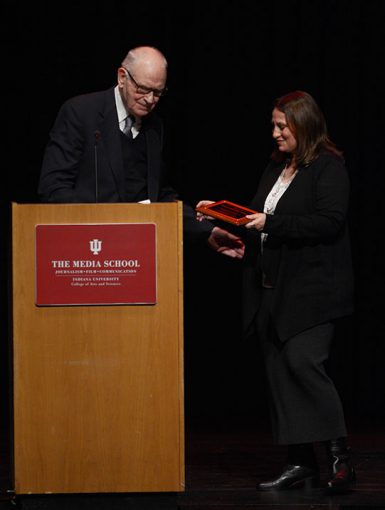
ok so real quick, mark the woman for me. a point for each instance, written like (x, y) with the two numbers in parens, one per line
(297, 282)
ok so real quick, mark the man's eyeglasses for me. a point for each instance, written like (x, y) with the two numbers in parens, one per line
(141, 89)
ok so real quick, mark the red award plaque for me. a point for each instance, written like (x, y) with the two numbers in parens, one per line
(96, 264)
(227, 211)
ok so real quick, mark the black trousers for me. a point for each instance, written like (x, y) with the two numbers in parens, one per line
(304, 404)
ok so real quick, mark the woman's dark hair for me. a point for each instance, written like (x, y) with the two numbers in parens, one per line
(307, 123)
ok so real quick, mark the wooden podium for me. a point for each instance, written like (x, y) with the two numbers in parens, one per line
(98, 390)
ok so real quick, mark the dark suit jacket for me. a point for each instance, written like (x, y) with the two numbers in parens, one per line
(307, 253)
(87, 126)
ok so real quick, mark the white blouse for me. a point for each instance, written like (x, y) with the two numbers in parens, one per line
(275, 194)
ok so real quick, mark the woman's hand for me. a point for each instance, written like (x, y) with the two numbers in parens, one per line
(203, 203)
(257, 221)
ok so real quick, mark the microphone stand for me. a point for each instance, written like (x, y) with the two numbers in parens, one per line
(98, 136)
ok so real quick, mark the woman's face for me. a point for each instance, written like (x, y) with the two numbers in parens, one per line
(282, 134)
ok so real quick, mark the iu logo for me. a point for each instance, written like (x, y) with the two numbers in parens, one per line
(96, 246)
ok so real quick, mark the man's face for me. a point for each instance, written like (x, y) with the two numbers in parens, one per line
(141, 87)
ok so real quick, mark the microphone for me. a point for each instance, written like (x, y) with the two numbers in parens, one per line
(98, 136)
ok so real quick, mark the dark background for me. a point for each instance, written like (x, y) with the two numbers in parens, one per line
(228, 61)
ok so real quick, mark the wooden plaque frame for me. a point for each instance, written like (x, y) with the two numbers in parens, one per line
(227, 211)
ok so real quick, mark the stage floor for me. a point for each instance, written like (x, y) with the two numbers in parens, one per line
(225, 459)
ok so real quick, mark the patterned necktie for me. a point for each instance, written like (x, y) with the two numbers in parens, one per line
(128, 125)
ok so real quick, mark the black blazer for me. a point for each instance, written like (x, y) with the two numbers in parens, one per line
(307, 252)
(87, 125)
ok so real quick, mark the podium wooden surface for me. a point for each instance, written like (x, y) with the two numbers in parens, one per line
(98, 390)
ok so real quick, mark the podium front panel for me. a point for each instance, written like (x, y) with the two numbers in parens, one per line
(98, 390)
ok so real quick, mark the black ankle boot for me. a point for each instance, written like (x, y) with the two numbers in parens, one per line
(343, 475)
(292, 477)
(301, 470)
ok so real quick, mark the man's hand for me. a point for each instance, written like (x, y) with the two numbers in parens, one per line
(228, 244)
(201, 216)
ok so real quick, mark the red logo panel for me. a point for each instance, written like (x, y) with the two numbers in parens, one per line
(96, 264)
